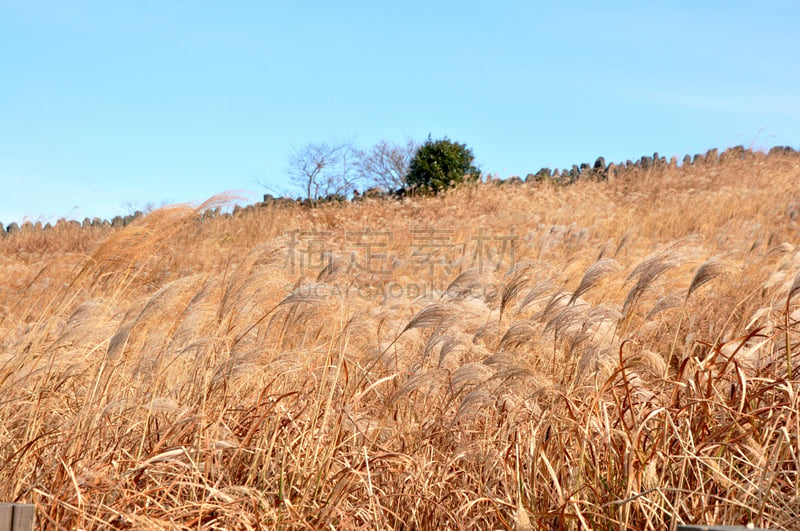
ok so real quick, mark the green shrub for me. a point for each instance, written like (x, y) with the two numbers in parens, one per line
(441, 164)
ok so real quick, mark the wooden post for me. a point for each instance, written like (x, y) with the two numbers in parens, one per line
(6, 514)
(16, 516)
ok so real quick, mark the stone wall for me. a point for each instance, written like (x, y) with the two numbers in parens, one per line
(599, 171)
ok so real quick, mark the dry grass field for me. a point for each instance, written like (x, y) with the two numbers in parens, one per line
(607, 355)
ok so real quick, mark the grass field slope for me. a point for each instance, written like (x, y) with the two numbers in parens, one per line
(622, 354)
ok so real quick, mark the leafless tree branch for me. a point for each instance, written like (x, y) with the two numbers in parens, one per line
(324, 169)
(385, 164)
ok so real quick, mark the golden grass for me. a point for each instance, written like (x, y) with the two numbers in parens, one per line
(630, 364)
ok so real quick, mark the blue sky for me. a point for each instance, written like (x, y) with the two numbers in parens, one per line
(106, 106)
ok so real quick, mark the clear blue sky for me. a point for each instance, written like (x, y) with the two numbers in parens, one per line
(105, 105)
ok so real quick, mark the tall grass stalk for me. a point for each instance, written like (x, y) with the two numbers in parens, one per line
(185, 374)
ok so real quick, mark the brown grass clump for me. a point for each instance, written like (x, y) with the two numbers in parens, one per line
(498, 357)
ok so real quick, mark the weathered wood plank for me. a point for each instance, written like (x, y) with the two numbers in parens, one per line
(24, 515)
(6, 515)
(17, 517)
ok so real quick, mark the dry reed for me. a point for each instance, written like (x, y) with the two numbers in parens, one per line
(190, 375)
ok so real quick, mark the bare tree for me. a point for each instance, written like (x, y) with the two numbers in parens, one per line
(385, 165)
(324, 169)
